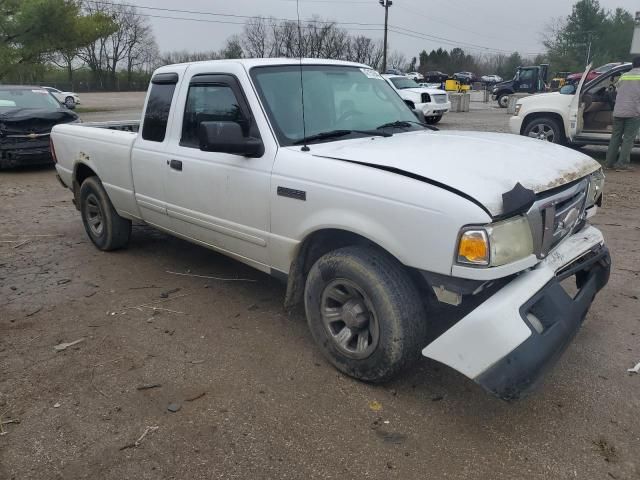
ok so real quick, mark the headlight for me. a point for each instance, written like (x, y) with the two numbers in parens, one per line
(518, 107)
(596, 185)
(495, 244)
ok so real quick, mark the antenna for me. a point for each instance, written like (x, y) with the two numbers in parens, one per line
(305, 147)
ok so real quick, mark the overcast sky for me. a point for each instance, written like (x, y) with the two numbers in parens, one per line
(475, 25)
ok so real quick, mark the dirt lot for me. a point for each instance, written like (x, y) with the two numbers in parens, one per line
(257, 400)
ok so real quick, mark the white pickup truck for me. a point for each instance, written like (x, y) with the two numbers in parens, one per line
(399, 239)
(433, 103)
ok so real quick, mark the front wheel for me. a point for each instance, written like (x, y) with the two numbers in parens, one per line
(503, 100)
(433, 120)
(546, 129)
(70, 103)
(106, 229)
(365, 313)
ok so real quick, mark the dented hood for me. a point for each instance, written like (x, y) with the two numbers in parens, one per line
(23, 120)
(483, 166)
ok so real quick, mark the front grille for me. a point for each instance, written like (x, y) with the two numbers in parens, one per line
(426, 98)
(554, 217)
(440, 98)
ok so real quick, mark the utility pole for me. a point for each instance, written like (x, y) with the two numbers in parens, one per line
(386, 4)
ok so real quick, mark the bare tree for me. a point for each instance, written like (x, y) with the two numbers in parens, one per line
(255, 40)
(130, 47)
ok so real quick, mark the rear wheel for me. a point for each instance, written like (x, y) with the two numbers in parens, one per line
(106, 229)
(433, 120)
(365, 313)
(70, 102)
(545, 128)
(503, 100)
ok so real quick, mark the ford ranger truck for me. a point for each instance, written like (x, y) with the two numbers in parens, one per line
(346, 199)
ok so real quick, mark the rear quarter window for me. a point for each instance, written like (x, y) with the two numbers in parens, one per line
(157, 113)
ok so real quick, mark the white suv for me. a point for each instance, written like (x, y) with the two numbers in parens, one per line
(581, 115)
(432, 102)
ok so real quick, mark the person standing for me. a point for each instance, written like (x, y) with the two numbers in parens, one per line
(626, 119)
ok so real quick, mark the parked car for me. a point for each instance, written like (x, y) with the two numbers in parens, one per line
(581, 115)
(393, 71)
(432, 102)
(27, 115)
(435, 77)
(465, 77)
(371, 218)
(415, 76)
(592, 74)
(491, 79)
(69, 99)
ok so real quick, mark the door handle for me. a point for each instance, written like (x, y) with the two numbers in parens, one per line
(175, 164)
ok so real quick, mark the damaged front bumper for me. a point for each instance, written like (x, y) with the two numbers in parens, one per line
(25, 152)
(509, 341)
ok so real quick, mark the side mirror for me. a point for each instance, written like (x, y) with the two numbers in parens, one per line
(410, 104)
(227, 137)
(568, 89)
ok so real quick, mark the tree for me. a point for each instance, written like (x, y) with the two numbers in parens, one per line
(34, 30)
(589, 34)
(129, 45)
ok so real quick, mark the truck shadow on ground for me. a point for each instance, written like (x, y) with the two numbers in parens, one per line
(426, 383)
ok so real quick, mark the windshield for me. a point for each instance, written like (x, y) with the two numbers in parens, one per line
(606, 67)
(404, 82)
(27, 98)
(335, 98)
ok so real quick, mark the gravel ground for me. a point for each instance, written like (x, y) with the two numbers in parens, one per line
(256, 399)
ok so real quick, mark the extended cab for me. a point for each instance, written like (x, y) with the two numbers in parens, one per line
(581, 115)
(432, 102)
(346, 198)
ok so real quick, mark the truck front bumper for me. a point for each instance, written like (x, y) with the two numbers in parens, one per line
(510, 340)
(434, 109)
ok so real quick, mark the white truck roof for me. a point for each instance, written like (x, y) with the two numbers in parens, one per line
(249, 63)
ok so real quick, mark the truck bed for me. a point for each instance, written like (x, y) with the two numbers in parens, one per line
(124, 126)
(104, 147)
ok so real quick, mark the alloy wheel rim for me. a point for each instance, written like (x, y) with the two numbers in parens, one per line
(542, 131)
(349, 319)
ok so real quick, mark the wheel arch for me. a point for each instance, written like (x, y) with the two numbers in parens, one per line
(320, 242)
(81, 172)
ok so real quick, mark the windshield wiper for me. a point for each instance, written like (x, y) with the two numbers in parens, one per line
(405, 124)
(339, 133)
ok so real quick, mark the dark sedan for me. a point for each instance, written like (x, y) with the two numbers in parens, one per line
(27, 115)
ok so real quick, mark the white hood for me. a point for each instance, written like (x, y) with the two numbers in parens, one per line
(421, 90)
(481, 165)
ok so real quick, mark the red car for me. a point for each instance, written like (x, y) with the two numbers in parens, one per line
(596, 72)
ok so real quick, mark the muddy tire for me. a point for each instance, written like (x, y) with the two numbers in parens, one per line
(365, 313)
(106, 229)
(503, 100)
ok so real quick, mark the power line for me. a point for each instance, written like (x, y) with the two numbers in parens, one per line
(425, 36)
(393, 28)
(248, 17)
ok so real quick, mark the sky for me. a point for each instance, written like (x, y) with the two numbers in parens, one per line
(478, 26)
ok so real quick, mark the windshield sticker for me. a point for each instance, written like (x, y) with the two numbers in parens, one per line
(371, 73)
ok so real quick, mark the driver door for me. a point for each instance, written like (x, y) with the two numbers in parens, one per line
(219, 199)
